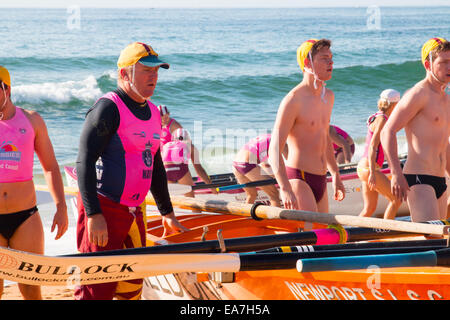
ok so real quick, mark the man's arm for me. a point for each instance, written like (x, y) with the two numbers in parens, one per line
(406, 109)
(44, 150)
(448, 158)
(100, 125)
(339, 190)
(283, 124)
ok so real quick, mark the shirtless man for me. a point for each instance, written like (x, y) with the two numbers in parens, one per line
(302, 122)
(22, 133)
(424, 113)
(448, 175)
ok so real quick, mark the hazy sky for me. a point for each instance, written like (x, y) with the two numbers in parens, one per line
(216, 3)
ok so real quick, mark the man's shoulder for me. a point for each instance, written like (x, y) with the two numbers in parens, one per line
(295, 95)
(103, 105)
(416, 96)
(34, 118)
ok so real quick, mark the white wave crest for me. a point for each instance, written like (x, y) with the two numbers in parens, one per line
(59, 92)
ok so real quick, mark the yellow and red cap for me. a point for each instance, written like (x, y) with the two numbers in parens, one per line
(140, 52)
(4, 76)
(429, 46)
(303, 50)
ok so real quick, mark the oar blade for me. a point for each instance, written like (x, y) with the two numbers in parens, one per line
(417, 259)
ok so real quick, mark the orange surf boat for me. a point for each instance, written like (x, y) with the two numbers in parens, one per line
(271, 279)
(373, 283)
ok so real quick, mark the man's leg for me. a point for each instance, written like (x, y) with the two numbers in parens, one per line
(29, 237)
(304, 194)
(422, 203)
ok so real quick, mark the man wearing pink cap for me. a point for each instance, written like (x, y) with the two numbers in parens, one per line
(119, 160)
(424, 113)
(302, 122)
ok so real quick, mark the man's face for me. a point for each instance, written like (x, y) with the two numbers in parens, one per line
(145, 79)
(323, 64)
(4, 93)
(441, 66)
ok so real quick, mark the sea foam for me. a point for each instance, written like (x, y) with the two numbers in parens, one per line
(58, 92)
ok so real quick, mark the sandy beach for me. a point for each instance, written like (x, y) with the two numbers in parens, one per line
(12, 292)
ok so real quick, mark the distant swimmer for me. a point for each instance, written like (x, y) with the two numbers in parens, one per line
(176, 156)
(424, 113)
(23, 133)
(343, 145)
(373, 181)
(302, 122)
(251, 164)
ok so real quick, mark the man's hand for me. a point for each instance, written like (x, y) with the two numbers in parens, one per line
(289, 199)
(172, 225)
(399, 186)
(97, 230)
(339, 189)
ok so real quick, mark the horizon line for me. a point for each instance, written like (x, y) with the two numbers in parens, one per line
(226, 7)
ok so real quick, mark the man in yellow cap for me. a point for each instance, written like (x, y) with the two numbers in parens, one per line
(302, 122)
(23, 133)
(424, 113)
(119, 160)
(448, 176)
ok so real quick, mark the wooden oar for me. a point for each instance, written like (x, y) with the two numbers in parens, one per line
(429, 258)
(268, 212)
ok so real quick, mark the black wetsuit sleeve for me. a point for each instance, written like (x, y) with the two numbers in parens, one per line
(159, 188)
(101, 123)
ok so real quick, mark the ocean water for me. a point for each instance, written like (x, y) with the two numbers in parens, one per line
(230, 68)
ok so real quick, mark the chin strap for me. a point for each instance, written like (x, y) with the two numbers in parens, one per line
(4, 103)
(133, 87)
(316, 78)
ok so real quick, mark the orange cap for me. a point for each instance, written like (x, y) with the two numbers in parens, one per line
(140, 52)
(4, 76)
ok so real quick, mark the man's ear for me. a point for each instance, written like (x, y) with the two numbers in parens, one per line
(307, 63)
(124, 74)
(427, 64)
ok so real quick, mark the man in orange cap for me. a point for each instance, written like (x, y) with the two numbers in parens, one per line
(119, 160)
(23, 133)
(424, 113)
(302, 122)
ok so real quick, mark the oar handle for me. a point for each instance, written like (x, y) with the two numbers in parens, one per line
(213, 185)
(248, 185)
(416, 259)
